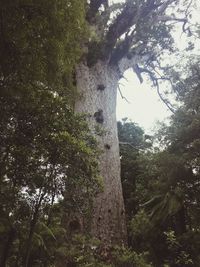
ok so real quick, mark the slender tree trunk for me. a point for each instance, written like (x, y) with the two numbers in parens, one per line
(8, 245)
(98, 92)
(32, 231)
(29, 241)
(180, 223)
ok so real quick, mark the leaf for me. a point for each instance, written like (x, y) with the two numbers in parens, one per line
(48, 230)
(40, 241)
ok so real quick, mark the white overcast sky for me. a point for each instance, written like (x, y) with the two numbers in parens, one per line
(145, 107)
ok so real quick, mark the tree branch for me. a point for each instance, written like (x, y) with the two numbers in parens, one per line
(170, 18)
(131, 15)
(164, 6)
(127, 63)
(123, 22)
(138, 70)
(124, 35)
(165, 101)
(93, 8)
(126, 143)
(123, 97)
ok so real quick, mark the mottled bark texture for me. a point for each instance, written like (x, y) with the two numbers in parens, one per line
(98, 92)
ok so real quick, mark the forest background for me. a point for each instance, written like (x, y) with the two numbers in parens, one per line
(49, 160)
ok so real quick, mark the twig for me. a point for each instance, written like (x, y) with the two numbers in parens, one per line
(155, 80)
(123, 97)
(126, 143)
(166, 102)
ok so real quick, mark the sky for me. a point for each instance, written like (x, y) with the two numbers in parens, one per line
(144, 106)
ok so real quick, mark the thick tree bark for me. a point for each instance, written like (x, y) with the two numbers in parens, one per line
(98, 92)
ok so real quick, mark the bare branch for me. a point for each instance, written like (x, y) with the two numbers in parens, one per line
(165, 101)
(124, 78)
(166, 18)
(132, 14)
(132, 26)
(120, 26)
(127, 63)
(123, 97)
(126, 143)
(164, 6)
(155, 81)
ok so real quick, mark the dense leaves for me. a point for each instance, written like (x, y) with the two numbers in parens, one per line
(40, 42)
(166, 185)
(132, 142)
(48, 163)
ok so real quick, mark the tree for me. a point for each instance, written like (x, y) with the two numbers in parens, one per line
(47, 153)
(169, 208)
(182, 136)
(132, 34)
(132, 142)
(33, 42)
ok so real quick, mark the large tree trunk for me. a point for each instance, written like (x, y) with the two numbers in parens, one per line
(98, 92)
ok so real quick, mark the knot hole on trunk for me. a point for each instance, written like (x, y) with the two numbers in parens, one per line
(99, 116)
(107, 146)
(101, 87)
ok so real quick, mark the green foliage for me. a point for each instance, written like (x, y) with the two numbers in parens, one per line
(48, 160)
(46, 153)
(164, 196)
(84, 251)
(132, 141)
(40, 43)
(48, 165)
(177, 256)
(126, 257)
(167, 186)
(140, 225)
